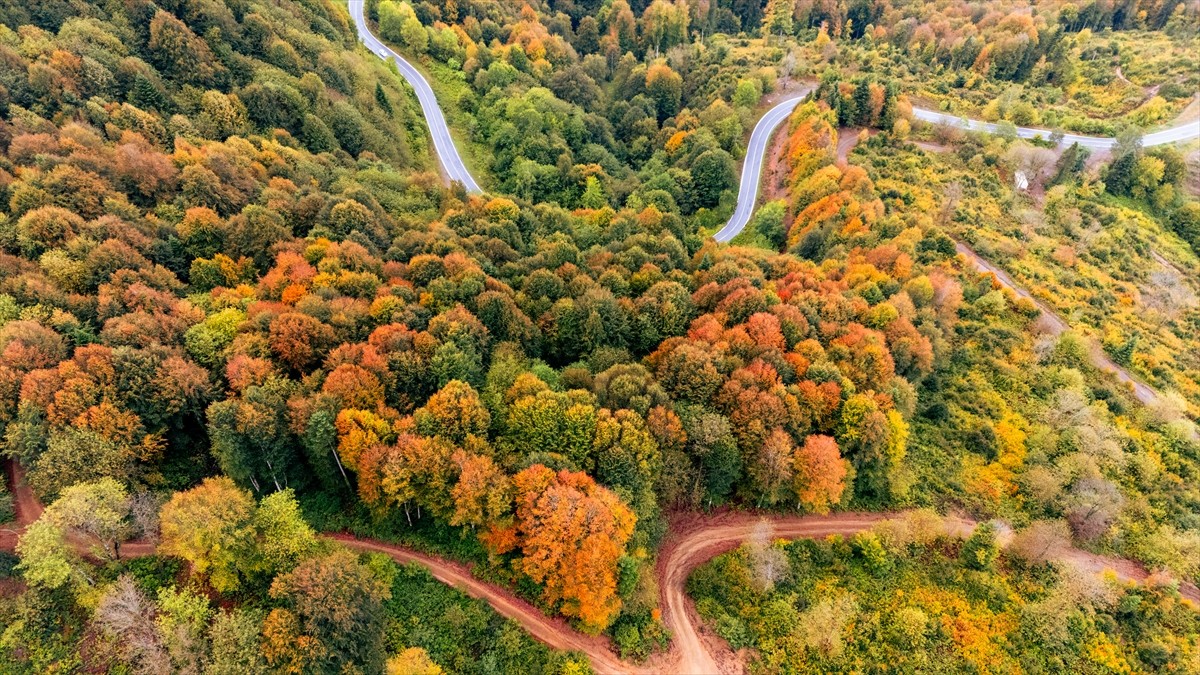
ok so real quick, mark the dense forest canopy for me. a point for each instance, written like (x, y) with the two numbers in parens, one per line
(239, 308)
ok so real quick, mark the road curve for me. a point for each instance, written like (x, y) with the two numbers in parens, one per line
(451, 162)
(694, 539)
(689, 546)
(697, 539)
(756, 156)
(1183, 132)
(760, 138)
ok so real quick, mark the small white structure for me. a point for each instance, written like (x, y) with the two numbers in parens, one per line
(1021, 181)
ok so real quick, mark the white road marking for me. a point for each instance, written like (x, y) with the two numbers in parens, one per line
(443, 144)
(761, 136)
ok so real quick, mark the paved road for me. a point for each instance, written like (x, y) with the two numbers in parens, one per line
(1182, 132)
(452, 164)
(756, 155)
(760, 138)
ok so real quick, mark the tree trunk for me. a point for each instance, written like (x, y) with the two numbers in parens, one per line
(340, 467)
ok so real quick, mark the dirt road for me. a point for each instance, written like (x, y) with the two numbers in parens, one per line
(29, 508)
(550, 630)
(1057, 325)
(25, 504)
(693, 540)
(696, 539)
(553, 631)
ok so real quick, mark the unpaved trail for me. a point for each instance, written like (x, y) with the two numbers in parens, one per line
(25, 504)
(697, 539)
(848, 138)
(1057, 325)
(554, 632)
(1121, 76)
(29, 508)
(694, 539)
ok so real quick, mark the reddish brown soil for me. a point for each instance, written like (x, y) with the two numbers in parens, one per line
(550, 630)
(774, 179)
(693, 539)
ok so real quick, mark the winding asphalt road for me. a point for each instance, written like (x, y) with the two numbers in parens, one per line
(760, 138)
(688, 546)
(452, 164)
(1182, 132)
(756, 155)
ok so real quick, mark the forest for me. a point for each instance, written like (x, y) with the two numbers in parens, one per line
(245, 327)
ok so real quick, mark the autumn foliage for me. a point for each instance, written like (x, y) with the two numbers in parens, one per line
(572, 531)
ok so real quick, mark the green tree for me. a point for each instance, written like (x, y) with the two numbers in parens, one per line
(47, 560)
(710, 438)
(347, 126)
(99, 510)
(234, 636)
(283, 538)
(769, 222)
(777, 18)
(177, 51)
(665, 88)
(391, 20)
(712, 175)
(75, 455)
(587, 36)
(748, 92)
(414, 36)
(626, 455)
(980, 551)
(593, 194)
(316, 135)
(252, 438)
(338, 602)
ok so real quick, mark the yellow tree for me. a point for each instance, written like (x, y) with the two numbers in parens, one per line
(418, 471)
(357, 431)
(483, 493)
(211, 526)
(454, 412)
